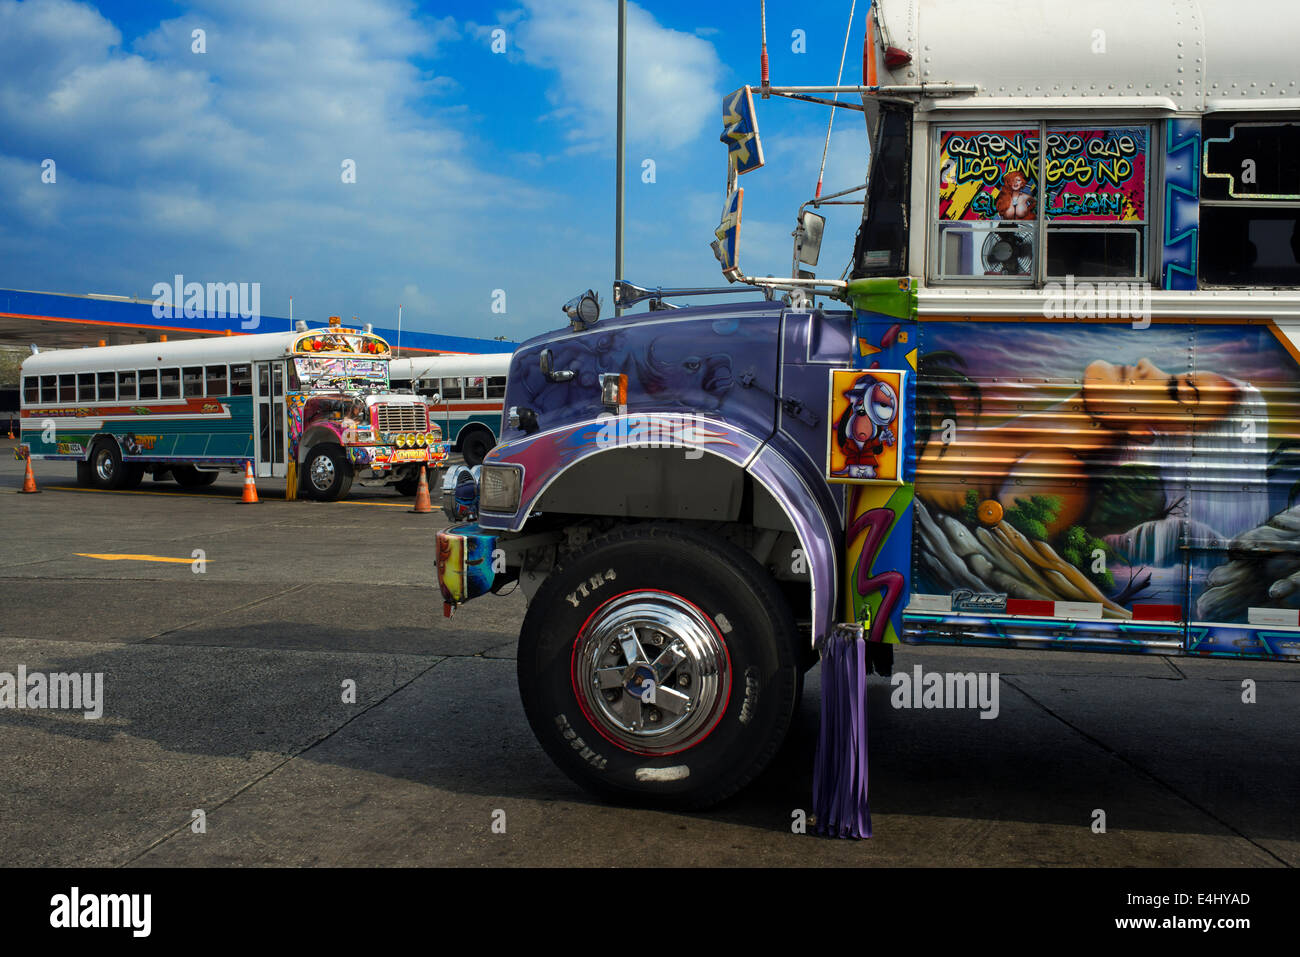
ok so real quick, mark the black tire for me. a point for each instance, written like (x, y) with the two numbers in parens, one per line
(408, 486)
(132, 475)
(475, 446)
(85, 475)
(673, 569)
(187, 476)
(106, 467)
(326, 474)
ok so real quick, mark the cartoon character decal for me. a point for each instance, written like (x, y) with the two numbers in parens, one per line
(864, 409)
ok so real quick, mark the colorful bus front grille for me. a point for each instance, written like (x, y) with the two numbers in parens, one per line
(404, 418)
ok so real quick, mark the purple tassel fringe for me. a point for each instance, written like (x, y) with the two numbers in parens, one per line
(840, 771)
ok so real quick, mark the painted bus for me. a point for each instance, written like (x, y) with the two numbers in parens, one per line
(311, 406)
(466, 396)
(1053, 403)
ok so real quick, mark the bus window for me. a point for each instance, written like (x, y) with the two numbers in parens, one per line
(107, 387)
(216, 376)
(241, 380)
(126, 385)
(148, 383)
(474, 387)
(1095, 253)
(1250, 182)
(496, 387)
(993, 218)
(49, 388)
(170, 380)
(451, 389)
(193, 381)
(31, 390)
(67, 388)
(1250, 246)
(85, 387)
(1096, 210)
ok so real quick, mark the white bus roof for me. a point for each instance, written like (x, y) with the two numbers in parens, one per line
(143, 355)
(1187, 56)
(431, 367)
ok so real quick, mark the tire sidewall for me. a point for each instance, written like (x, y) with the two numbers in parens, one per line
(757, 637)
(109, 447)
(336, 489)
(476, 442)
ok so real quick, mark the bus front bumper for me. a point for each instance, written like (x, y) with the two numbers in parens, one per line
(381, 458)
(464, 564)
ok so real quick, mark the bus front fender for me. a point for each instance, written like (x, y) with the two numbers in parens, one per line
(548, 462)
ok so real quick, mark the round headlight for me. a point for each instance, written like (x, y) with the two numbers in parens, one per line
(421, 440)
(400, 442)
(430, 438)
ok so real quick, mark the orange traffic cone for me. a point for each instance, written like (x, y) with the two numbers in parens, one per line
(250, 487)
(29, 480)
(422, 503)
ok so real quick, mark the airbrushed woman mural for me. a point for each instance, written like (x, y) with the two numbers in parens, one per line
(1058, 468)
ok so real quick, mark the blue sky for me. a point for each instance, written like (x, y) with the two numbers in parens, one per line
(475, 171)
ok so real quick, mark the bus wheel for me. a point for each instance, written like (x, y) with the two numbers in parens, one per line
(476, 446)
(326, 474)
(85, 474)
(187, 476)
(132, 475)
(106, 469)
(408, 486)
(658, 666)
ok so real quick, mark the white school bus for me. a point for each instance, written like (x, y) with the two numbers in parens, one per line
(312, 406)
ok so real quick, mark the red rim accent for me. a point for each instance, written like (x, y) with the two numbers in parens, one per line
(591, 720)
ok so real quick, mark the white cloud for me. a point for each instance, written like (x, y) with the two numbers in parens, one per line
(227, 163)
(672, 91)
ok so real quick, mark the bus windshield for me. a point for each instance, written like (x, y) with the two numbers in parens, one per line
(340, 373)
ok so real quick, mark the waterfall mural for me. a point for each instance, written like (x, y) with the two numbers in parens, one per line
(1110, 463)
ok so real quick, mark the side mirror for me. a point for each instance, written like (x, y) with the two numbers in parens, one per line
(436, 398)
(808, 237)
(546, 362)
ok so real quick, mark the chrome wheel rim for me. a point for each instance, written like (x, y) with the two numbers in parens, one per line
(322, 472)
(652, 672)
(104, 465)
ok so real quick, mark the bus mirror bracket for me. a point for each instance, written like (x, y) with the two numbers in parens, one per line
(546, 361)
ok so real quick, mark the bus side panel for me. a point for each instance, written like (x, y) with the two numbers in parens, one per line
(1108, 485)
(1243, 520)
(200, 430)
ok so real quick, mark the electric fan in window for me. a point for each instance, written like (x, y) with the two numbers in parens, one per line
(1008, 253)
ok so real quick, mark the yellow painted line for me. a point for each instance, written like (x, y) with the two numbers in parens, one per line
(406, 505)
(136, 558)
(124, 491)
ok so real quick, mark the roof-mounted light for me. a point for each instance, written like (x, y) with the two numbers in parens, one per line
(583, 310)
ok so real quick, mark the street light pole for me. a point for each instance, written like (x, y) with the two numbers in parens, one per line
(619, 136)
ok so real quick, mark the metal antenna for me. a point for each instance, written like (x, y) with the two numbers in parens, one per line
(762, 15)
(619, 137)
(838, 77)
